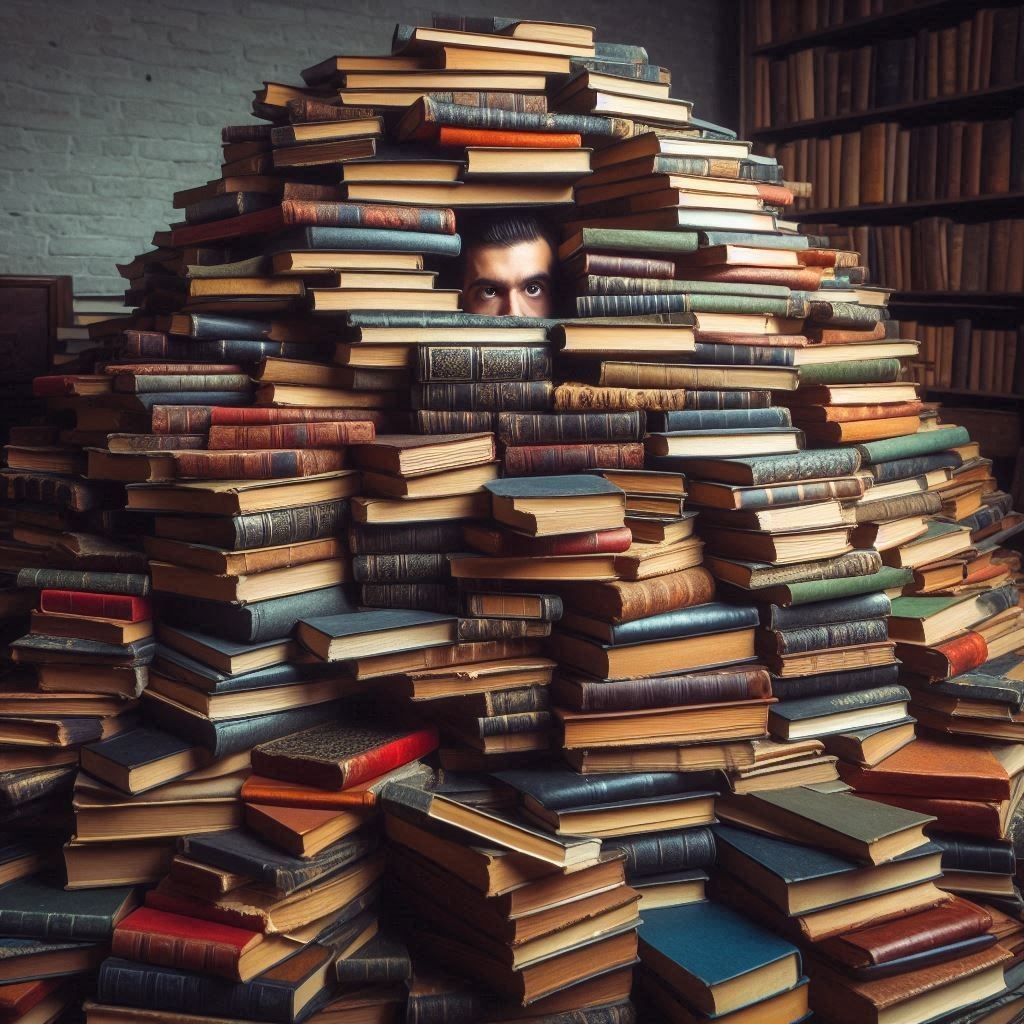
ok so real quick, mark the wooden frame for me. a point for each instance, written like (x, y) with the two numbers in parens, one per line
(32, 307)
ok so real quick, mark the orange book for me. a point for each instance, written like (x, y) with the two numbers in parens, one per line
(257, 789)
(447, 136)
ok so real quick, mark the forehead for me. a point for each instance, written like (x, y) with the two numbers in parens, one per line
(510, 263)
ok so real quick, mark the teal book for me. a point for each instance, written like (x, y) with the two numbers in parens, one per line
(888, 578)
(714, 958)
(39, 907)
(630, 240)
(765, 240)
(925, 442)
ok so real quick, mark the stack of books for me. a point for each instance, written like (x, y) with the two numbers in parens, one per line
(858, 888)
(539, 919)
(658, 820)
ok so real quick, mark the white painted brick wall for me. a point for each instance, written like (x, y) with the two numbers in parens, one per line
(106, 108)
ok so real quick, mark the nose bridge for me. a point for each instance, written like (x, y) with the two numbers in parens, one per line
(514, 302)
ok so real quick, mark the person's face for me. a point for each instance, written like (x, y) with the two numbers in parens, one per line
(509, 280)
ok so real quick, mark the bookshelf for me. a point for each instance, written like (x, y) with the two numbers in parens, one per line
(907, 116)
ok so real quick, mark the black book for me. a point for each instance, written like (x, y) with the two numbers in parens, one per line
(655, 853)
(41, 908)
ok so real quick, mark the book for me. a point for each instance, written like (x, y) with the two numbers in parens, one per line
(338, 757)
(839, 821)
(558, 504)
(40, 908)
(361, 634)
(422, 805)
(739, 963)
(801, 879)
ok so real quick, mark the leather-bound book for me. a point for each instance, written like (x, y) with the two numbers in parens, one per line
(932, 767)
(337, 755)
(915, 996)
(951, 922)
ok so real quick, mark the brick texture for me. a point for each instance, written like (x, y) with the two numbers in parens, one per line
(107, 108)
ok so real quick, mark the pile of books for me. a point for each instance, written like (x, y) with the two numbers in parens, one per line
(386, 659)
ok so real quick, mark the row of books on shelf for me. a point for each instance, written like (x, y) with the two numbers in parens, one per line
(886, 163)
(938, 254)
(964, 357)
(777, 21)
(982, 52)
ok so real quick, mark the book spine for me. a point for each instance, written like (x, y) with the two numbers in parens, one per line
(507, 725)
(483, 363)
(919, 465)
(550, 605)
(161, 442)
(414, 568)
(927, 442)
(962, 854)
(514, 702)
(292, 435)
(402, 539)
(130, 584)
(419, 596)
(452, 421)
(666, 852)
(600, 542)
(716, 401)
(665, 691)
(289, 526)
(722, 419)
(490, 119)
(181, 419)
(368, 215)
(383, 759)
(126, 608)
(833, 634)
(867, 606)
(805, 465)
(573, 397)
(624, 602)
(861, 371)
(258, 465)
(38, 924)
(627, 266)
(190, 954)
(843, 314)
(473, 630)
(809, 491)
(537, 429)
(541, 460)
(161, 383)
(357, 971)
(53, 490)
(853, 563)
(483, 396)
(260, 415)
(128, 983)
(964, 653)
(723, 354)
(827, 684)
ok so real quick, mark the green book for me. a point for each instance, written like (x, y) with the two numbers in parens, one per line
(861, 371)
(925, 442)
(628, 240)
(865, 830)
(810, 591)
(766, 240)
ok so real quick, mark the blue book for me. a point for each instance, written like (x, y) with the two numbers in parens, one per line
(802, 879)
(715, 959)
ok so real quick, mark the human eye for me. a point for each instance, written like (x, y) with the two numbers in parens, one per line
(534, 289)
(487, 291)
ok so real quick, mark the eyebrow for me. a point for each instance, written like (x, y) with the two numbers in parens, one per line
(490, 282)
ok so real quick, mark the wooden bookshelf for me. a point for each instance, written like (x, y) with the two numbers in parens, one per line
(911, 68)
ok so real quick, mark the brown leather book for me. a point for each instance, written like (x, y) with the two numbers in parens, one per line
(985, 819)
(840, 336)
(936, 990)
(928, 767)
(620, 601)
(950, 922)
(872, 163)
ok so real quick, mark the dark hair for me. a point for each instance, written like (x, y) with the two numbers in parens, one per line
(506, 229)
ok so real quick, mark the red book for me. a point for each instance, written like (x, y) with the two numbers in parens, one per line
(447, 136)
(259, 465)
(207, 947)
(17, 999)
(493, 541)
(336, 755)
(775, 195)
(293, 435)
(101, 606)
(553, 459)
(153, 369)
(228, 416)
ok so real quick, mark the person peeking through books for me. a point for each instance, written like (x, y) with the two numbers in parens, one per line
(509, 265)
